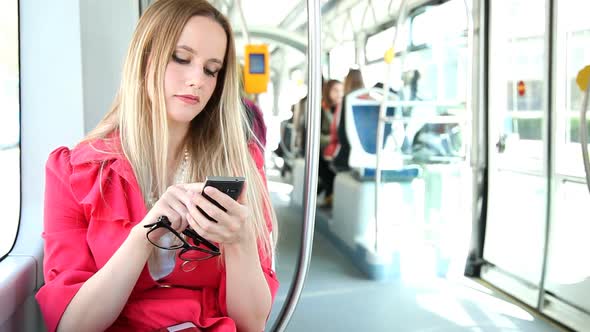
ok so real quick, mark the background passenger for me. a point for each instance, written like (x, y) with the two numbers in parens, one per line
(331, 104)
(352, 82)
(176, 119)
(255, 121)
(333, 101)
(254, 113)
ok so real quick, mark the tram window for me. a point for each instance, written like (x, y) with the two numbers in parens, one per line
(9, 125)
(572, 54)
(528, 126)
(578, 56)
(421, 29)
(378, 43)
(374, 73)
(342, 57)
(447, 20)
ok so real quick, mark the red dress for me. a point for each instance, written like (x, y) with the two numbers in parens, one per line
(84, 227)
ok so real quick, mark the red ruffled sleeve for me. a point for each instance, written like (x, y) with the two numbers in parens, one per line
(67, 263)
(265, 260)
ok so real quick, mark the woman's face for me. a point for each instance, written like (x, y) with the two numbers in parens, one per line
(191, 74)
(336, 93)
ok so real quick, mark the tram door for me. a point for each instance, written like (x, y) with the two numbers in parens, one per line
(568, 270)
(517, 194)
(537, 186)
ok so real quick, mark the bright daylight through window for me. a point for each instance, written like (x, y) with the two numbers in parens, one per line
(9, 125)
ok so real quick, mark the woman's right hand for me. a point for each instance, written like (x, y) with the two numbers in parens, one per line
(172, 204)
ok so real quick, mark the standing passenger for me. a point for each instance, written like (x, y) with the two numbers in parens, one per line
(176, 119)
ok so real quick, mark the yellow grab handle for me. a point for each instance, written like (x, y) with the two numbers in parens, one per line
(389, 55)
(583, 77)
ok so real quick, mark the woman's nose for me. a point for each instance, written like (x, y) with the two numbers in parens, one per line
(196, 78)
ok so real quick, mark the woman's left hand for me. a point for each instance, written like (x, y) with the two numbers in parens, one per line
(230, 226)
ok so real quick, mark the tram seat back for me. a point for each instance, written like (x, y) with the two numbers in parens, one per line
(362, 115)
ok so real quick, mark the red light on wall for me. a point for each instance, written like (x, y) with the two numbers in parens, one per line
(521, 88)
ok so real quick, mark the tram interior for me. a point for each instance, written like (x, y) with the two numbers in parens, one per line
(406, 254)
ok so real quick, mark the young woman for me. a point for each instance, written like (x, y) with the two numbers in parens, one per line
(333, 95)
(353, 81)
(176, 119)
(331, 102)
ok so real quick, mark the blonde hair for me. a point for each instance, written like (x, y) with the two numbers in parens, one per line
(142, 123)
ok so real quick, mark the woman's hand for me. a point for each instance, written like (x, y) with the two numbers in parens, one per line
(174, 205)
(230, 227)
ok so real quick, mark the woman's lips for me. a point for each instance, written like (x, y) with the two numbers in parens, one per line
(189, 99)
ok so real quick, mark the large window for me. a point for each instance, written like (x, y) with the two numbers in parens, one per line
(9, 125)
(342, 58)
(573, 36)
(378, 43)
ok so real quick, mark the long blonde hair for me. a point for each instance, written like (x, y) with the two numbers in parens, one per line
(217, 137)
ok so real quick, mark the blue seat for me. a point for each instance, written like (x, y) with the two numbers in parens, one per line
(362, 114)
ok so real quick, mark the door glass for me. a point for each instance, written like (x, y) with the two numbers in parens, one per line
(516, 84)
(515, 229)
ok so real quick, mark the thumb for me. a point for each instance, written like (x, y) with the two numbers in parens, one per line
(243, 198)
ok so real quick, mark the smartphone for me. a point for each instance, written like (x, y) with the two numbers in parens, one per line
(229, 185)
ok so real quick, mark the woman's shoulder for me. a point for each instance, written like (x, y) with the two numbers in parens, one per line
(97, 150)
(95, 170)
(87, 151)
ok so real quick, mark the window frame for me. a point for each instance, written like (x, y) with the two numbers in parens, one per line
(17, 144)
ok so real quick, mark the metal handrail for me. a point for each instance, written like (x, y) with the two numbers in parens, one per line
(311, 166)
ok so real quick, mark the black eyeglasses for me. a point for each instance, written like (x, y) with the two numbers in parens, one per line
(200, 250)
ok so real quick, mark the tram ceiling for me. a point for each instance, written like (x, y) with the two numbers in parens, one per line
(280, 36)
(285, 21)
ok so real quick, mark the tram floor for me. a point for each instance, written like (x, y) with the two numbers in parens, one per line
(338, 297)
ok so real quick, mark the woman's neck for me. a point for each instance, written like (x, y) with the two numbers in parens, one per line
(176, 143)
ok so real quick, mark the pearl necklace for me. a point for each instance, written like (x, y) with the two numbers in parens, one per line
(179, 176)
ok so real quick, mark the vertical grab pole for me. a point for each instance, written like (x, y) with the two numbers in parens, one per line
(401, 17)
(583, 80)
(313, 113)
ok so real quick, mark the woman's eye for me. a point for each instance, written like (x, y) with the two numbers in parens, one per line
(210, 72)
(179, 60)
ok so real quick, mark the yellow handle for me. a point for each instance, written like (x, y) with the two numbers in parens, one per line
(389, 55)
(583, 77)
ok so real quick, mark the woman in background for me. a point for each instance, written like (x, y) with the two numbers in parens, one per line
(352, 82)
(331, 105)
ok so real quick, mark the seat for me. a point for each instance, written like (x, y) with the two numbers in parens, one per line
(401, 194)
(361, 119)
